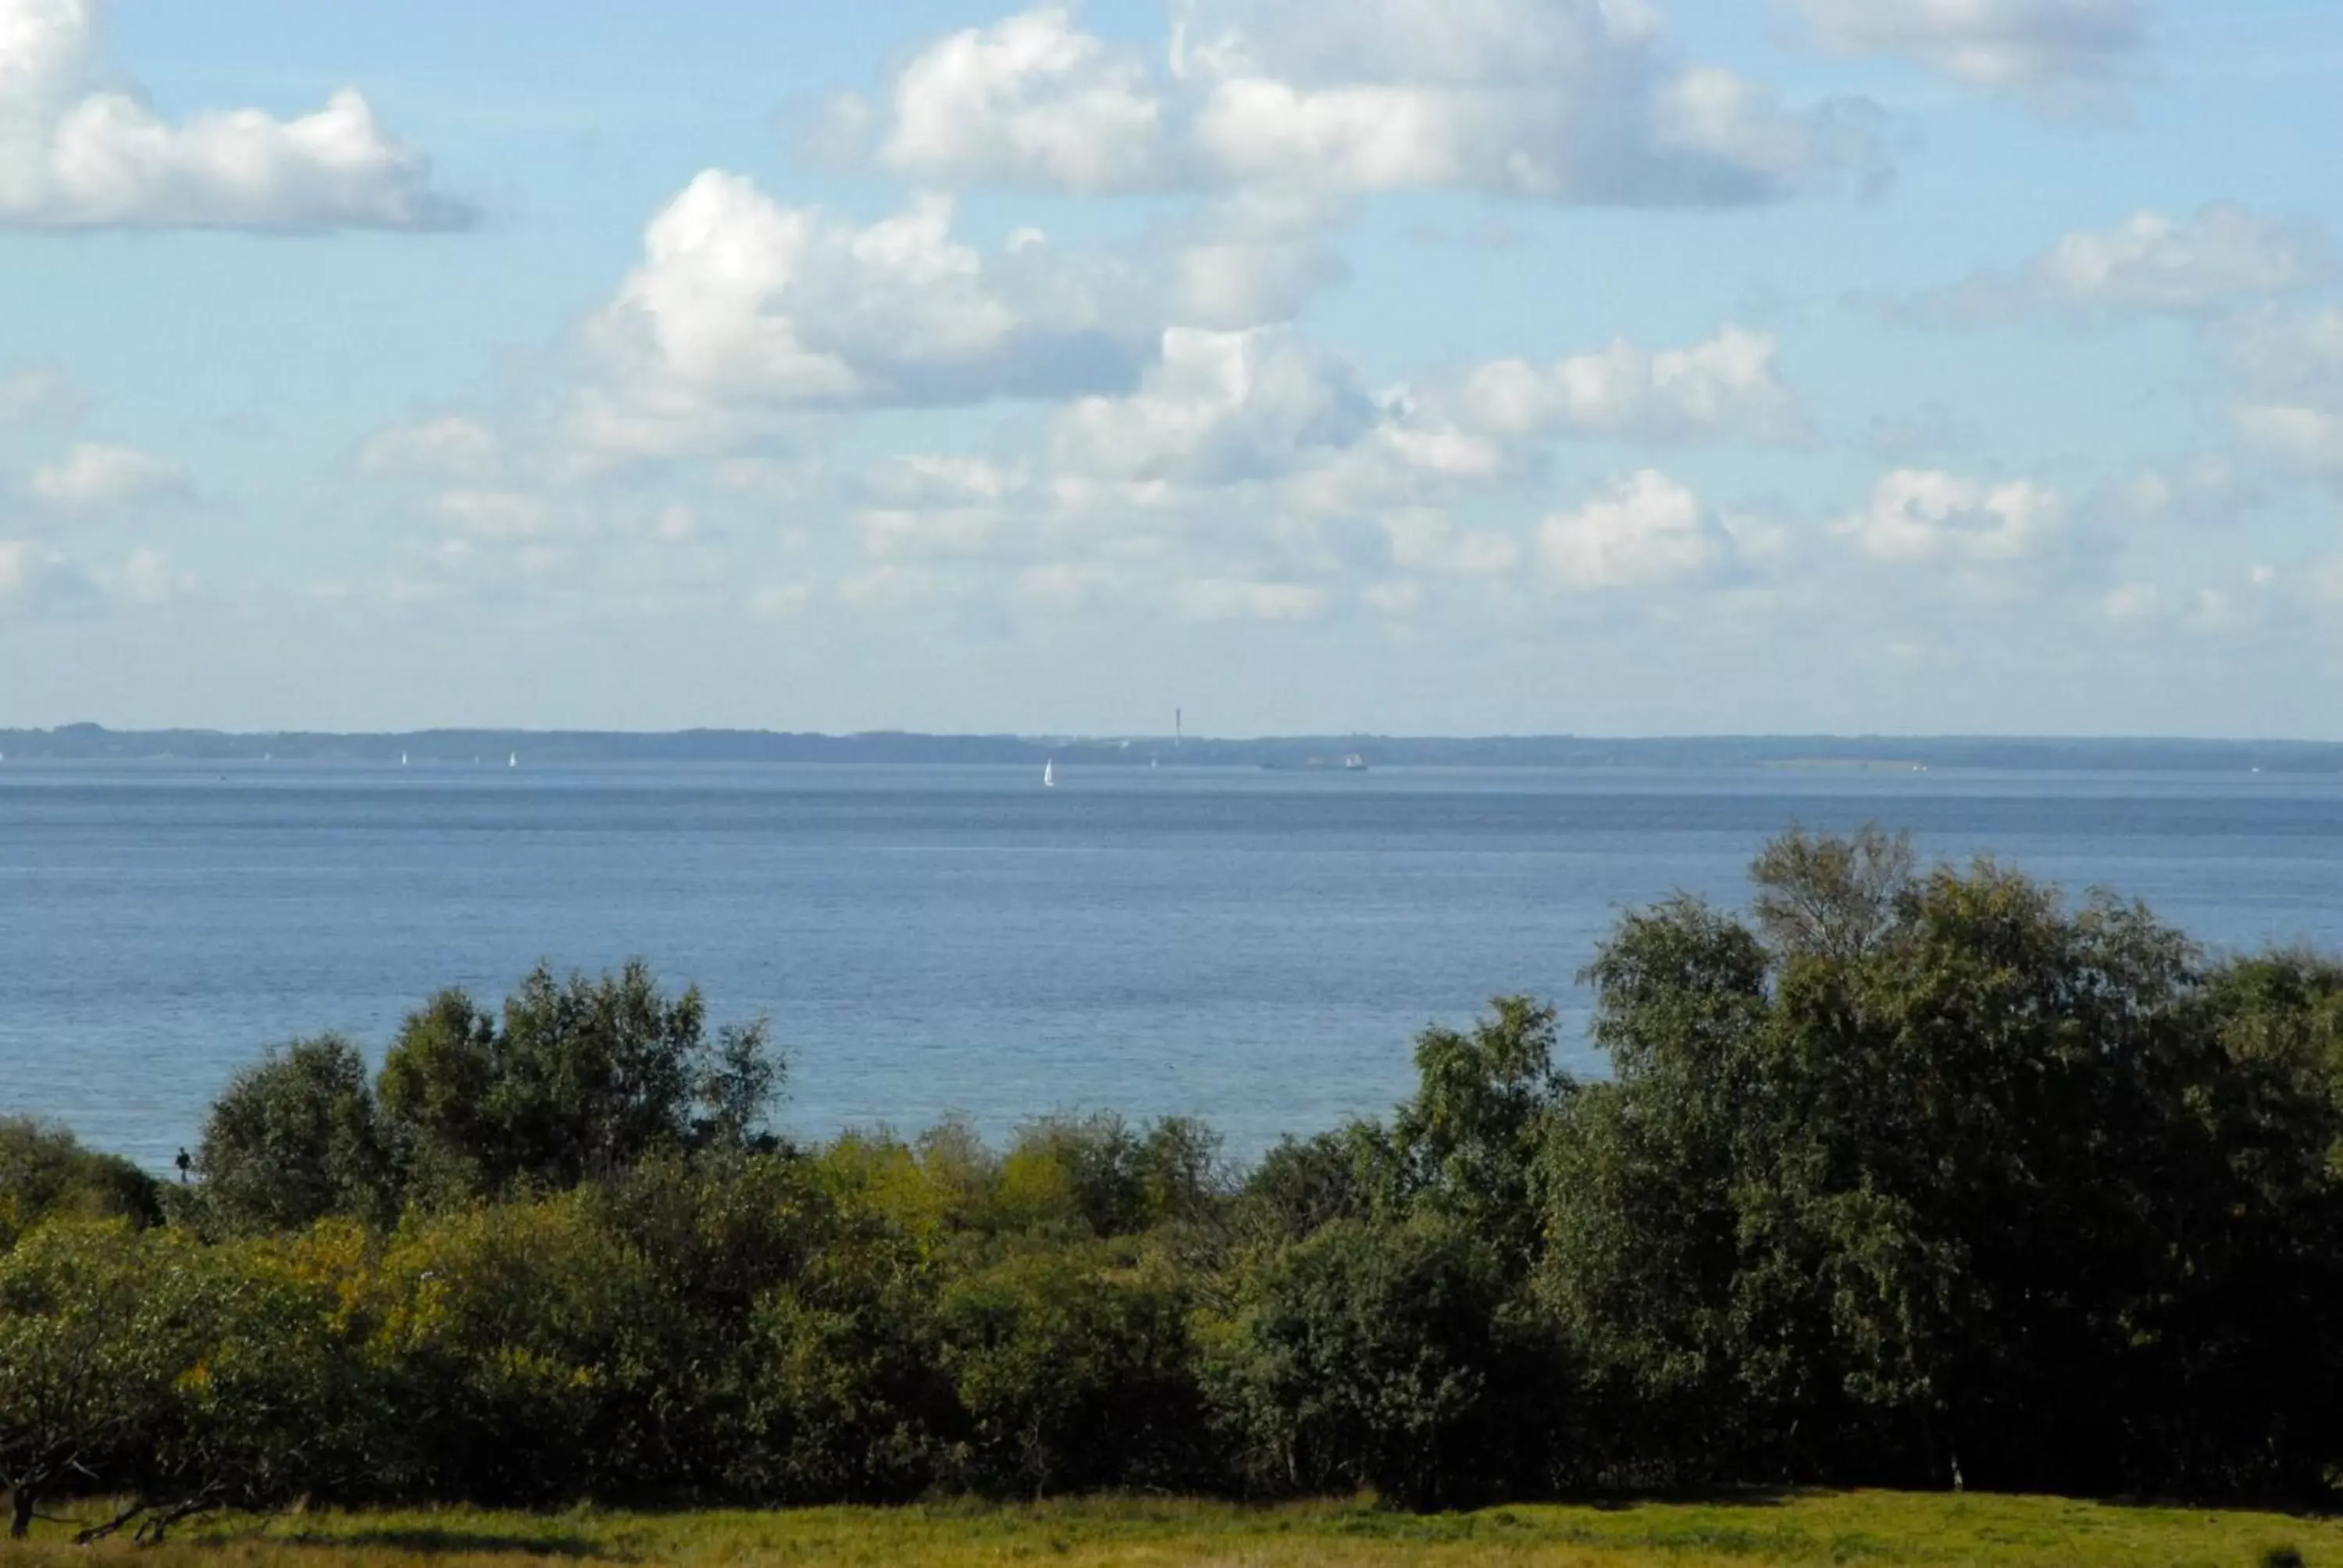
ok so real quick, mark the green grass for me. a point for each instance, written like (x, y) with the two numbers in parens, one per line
(1860, 1527)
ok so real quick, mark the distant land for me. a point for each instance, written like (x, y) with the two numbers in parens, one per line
(443, 747)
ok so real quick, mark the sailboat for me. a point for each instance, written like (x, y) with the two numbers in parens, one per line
(402, 760)
(1050, 774)
(515, 762)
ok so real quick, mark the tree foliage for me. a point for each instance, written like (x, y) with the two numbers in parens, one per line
(1922, 1175)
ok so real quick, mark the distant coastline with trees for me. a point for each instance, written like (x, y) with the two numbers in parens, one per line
(465, 748)
(1906, 1175)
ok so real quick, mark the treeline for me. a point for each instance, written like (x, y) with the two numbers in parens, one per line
(1912, 1176)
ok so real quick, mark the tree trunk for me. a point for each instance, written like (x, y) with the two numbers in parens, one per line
(21, 1524)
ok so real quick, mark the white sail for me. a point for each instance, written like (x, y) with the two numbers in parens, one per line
(1050, 774)
(515, 762)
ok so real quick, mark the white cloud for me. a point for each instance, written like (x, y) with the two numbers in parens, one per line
(780, 601)
(1921, 517)
(38, 393)
(923, 480)
(75, 153)
(2134, 602)
(1570, 101)
(1032, 100)
(493, 514)
(1220, 407)
(2060, 55)
(1573, 101)
(1729, 385)
(1067, 585)
(1648, 531)
(2208, 491)
(743, 308)
(94, 478)
(1224, 598)
(449, 448)
(32, 578)
(150, 580)
(1431, 542)
(2151, 265)
(2287, 372)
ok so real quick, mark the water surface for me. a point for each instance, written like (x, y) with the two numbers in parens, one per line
(1254, 947)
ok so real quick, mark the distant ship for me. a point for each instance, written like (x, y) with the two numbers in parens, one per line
(1353, 763)
(1050, 774)
(515, 762)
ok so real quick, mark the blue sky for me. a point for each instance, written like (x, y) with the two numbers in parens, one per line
(1439, 365)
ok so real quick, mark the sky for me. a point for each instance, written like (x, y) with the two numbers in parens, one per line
(1437, 366)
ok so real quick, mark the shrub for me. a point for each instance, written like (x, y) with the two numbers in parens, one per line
(1370, 1355)
(44, 1173)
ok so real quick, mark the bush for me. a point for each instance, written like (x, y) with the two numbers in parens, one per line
(293, 1139)
(182, 1376)
(540, 1358)
(1072, 1380)
(1371, 1355)
(46, 1173)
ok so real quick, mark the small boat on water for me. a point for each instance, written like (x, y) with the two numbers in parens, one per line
(1050, 774)
(515, 762)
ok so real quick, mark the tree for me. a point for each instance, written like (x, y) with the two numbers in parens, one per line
(1469, 1138)
(579, 1080)
(1072, 1380)
(1938, 1176)
(44, 1172)
(185, 1377)
(1373, 1355)
(293, 1139)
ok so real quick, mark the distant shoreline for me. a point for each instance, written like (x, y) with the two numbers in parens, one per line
(90, 742)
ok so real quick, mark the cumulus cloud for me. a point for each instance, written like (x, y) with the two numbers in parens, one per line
(2206, 491)
(1431, 542)
(1570, 101)
(1032, 100)
(2059, 56)
(94, 478)
(449, 448)
(1647, 531)
(149, 579)
(1923, 517)
(493, 514)
(2287, 372)
(32, 578)
(1220, 407)
(75, 153)
(742, 307)
(38, 393)
(1729, 385)
(1226, 598)
(2151, 265)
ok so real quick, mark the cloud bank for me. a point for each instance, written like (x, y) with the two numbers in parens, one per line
(77, 155)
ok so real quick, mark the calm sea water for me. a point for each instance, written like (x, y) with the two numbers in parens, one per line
(1257, 949)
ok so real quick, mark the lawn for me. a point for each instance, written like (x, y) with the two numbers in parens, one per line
(1800, 1528)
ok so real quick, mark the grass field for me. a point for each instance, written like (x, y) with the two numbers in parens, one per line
(1801, 1528)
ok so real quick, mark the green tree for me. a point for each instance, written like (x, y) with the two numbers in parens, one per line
(1070, 1379)
(1374, 1355)
(293, 1139)
(1923, 1181)
(1469, 1138)
(579, 1080)
(185, 1377)
(44, 1172)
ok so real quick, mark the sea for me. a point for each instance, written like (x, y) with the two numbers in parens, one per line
(1257, 949)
